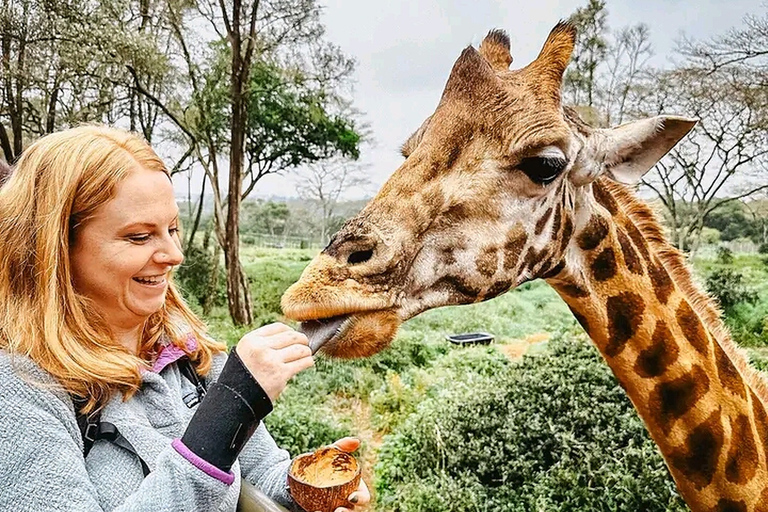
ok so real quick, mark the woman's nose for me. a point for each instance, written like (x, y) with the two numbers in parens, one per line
(170, 253)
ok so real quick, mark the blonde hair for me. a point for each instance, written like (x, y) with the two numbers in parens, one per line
(57, 184)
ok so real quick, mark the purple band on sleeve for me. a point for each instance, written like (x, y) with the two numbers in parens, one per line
(208, 468)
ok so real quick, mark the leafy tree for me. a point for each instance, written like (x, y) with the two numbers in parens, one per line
(234, 75)
(265, 217)
(589, 52)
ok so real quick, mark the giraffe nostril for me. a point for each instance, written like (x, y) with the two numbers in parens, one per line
(359, 257)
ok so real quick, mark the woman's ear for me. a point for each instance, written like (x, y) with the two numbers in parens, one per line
(629, 151)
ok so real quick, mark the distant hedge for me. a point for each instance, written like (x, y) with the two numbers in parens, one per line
(552, 433)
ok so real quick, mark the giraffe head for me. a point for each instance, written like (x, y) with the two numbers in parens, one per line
(493, 188)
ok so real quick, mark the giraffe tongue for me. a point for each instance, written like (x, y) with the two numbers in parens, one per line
(319, 332)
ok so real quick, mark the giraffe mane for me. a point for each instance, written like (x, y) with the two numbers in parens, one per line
(646, 220)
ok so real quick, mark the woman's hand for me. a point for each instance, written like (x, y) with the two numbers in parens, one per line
(273, 354)
(361, 496)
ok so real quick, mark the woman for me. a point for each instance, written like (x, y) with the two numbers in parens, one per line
(89, 316)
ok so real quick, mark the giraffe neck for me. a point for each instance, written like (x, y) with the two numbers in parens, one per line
(664, 341)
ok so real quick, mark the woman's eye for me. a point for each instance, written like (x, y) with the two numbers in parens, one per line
(139, 239)
(173, 231)
(542, 170)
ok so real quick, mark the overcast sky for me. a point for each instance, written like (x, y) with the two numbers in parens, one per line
(405, 49)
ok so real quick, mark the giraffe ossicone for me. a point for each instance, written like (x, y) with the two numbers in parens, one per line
(502, 185)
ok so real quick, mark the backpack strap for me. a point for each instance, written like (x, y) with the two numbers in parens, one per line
(93, 429)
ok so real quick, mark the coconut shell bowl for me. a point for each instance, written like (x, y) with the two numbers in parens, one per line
(323, 480)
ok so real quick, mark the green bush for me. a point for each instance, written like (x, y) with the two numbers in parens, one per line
(724, 255)
(194, 275)
(727, 285)
(301, 426)
(555, 432)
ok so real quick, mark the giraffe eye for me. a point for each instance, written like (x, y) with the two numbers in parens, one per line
(542, 170)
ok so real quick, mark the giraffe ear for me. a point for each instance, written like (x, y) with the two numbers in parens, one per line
(632, 149)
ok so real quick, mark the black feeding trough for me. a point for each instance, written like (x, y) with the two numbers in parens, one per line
(470, 338)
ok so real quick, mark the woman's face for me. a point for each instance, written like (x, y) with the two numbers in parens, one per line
(122, 256)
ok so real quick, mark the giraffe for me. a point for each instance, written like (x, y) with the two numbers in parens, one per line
(502, 185)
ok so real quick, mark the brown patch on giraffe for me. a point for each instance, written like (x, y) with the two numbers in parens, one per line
(697, 460)
(604, 266)
(487, 261)
(730, 377)
(558, 216)
(625, 314)
(591, 236)
(565, 234)
(654, 361)
(605, 199)
(513, 247)
(638, 240)
(762, 502)
(582, 321)
(554, 271)
(458, 288)
(573, 290)
(670, 400)
(662, 283)
(447, 256)
(726, 505)
(542, 222)
(761, 425)
(497, 289)
(631, 259)
(692, 328)
(742, 461)
(534, 258)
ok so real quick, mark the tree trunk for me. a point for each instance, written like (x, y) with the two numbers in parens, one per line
(213, 278)
(237, 281)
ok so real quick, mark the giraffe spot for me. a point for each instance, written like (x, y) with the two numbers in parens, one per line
(605, 199)
(761, 424)
(487, 261)
(558, 216)
(662, 283)
(663, 351)
(591, 236)
(513, 247)
(447, 256)
(762, 502)
(730, 377)
(554, 271)
(498, 288)
(582, 320)
(542, 222)
(625, 314)
(697, 460)
(631, 259)
(638, 240)
(670, 400)
(565, 235)
(604, 266)
(741, 465)
(458, 288)
(726, 505)
(573, 290)
(692, 328)
(534, 258)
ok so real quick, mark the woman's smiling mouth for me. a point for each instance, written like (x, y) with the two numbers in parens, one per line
(153, 281)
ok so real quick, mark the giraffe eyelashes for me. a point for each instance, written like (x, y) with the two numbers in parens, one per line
(542, 170)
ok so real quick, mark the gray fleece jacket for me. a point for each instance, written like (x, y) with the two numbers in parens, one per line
(42, 467)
